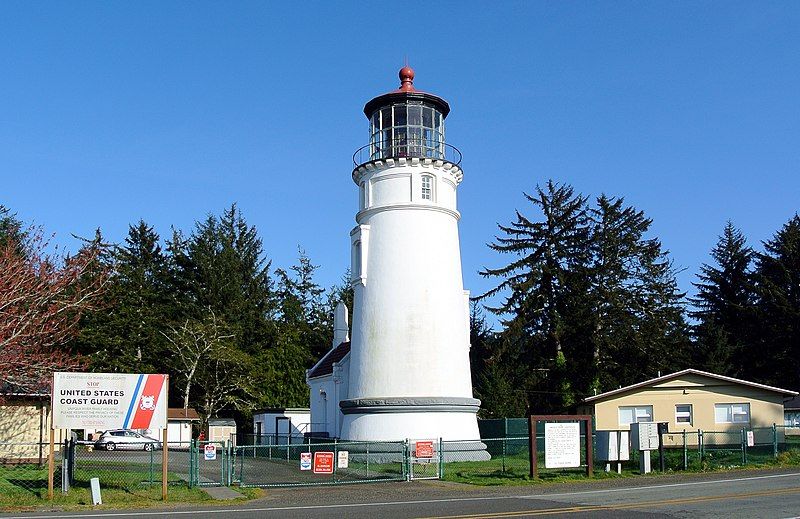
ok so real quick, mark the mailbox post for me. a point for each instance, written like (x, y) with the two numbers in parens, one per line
(644, 438)
(663, 428)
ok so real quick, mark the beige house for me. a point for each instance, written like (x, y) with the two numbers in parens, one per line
(690, 400)
(25, 422)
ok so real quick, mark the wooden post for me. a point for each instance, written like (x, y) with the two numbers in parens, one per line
(164, 448)
(589, 454)
(51, 465)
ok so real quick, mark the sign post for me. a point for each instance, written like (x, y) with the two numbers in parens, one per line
(51, 466)
(164, 454)
(534, 470)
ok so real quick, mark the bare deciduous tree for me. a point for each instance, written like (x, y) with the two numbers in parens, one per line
(42, 297)
(212, 372)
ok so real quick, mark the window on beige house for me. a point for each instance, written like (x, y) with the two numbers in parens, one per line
(629, 414)
(732, 413)
(683, 414)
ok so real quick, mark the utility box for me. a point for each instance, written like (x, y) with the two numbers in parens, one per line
(612, 446)
(644, 436)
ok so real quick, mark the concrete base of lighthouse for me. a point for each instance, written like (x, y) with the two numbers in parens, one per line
(452, 419)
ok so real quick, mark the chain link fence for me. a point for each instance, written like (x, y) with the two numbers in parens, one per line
(24, 470)
(309, 461)
(316, 462)
(130, 467)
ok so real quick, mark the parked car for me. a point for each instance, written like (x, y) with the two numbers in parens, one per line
(126, 439)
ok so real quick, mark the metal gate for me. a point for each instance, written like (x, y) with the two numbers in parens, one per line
(425, 459)
(209, 464)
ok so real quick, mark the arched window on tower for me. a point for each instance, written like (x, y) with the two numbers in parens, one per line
(427, 187)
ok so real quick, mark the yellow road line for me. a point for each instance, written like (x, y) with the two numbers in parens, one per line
(595, 508)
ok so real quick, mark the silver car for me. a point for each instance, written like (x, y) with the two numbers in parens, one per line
(126, 439)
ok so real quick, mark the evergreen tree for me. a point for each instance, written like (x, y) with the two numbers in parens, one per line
(589, 301)
(125, 333)
(723, 307)
(304, 331)
(540, 287)
(11, 230)
(777, 289)
(221, 268)
(637, 307)
(481, 342)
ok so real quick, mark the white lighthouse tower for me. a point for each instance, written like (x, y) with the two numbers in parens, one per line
(409, 374)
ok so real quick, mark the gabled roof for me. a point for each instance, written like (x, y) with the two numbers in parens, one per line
(325, 364)
(179, 413)
(689, 371)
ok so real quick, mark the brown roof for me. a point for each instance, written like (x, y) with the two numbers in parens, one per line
(325, 365)
(179, 413)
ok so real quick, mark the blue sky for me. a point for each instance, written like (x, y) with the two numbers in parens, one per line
(167, 111)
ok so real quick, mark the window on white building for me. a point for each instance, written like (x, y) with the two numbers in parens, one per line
(629, 414)
(427, 188)
(732, 413)
(683, 414)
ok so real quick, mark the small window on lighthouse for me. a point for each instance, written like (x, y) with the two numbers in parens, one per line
(357, 260)
(427, 188)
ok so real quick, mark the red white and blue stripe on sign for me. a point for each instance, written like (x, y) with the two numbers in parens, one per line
(144, 401)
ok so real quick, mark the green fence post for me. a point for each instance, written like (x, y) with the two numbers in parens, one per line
(225, 459)
(685, 452)
(700, 444)
(441, 459)
(406, 461)
(744, 446)
(774, 440)
(191, 462)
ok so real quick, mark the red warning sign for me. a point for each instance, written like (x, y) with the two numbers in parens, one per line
(323, 463)
(425, 449)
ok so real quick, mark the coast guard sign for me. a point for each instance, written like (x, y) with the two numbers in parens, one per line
(109, 401)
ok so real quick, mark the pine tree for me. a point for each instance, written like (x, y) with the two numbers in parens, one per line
(777, 288)
(637, 311)
(221, 266)
(221, 269)
(540, 287)
(124, 335)
(724, 307)
(11, 230)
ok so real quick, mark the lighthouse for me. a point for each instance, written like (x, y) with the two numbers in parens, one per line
(409, 373)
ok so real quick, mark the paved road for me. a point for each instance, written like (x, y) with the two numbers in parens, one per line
(734, 495)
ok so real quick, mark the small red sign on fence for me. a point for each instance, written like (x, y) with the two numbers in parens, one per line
(425, 449)
(323, 463)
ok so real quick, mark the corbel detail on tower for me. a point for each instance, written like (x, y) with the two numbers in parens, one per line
(446, 169)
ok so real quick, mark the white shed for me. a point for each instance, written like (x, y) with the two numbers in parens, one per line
(277, 425)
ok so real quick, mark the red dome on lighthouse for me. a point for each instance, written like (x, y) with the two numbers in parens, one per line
(406, 79)
(406, 93)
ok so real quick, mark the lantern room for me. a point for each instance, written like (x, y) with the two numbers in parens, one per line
(406, 123)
